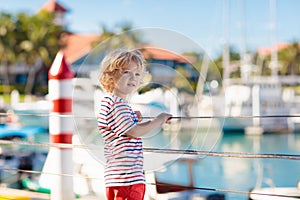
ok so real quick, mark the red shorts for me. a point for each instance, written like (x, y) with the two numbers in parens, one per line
(131, 192)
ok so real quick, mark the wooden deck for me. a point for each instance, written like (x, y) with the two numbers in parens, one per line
(15, 194)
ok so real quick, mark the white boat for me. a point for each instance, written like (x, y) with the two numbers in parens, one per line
(33, 113)
(294, 100)
(255, 103)
(275, 193)
(250, 99)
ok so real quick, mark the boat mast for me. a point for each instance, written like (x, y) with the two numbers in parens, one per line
(274, 56)
(245, 60)
(225, 61)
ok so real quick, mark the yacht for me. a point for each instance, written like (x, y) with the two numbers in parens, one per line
(255, 106)
(275, 193)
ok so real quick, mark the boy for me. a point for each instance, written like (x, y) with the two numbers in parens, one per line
(122, 71)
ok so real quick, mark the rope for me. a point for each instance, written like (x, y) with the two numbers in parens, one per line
(218, 116)
(166, 151)
(150, 117)
(225, 191)
(223, 154)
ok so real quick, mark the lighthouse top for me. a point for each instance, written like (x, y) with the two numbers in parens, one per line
(60, 69)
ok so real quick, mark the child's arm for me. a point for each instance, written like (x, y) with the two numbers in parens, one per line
(144, 128)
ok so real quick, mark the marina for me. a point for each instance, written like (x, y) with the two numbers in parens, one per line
(235, 130)
(190, 157)
(259, 98)
(234, 177)
(203, 160)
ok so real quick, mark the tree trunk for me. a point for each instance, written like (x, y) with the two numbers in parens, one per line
(31, 76)
(6, 89)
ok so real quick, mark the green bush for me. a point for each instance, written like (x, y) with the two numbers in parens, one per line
(20, 88)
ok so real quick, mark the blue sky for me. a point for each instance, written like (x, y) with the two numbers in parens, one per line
(202, 21)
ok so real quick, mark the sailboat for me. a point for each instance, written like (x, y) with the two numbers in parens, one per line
(254, 104)
(275, 193)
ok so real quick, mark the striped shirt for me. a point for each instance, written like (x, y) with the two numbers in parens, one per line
(124, 155)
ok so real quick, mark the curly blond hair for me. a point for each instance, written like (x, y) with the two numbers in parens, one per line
(114, 64)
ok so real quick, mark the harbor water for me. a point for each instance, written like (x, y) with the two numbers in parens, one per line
(234, 177)
(237, 176)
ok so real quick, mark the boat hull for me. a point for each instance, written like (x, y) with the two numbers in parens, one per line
(275, 193)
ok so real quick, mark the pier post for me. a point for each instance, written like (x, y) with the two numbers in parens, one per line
(59, 163)
(255, 129)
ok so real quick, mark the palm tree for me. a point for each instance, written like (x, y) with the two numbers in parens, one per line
(290, 59)
(8, 46)
(39, 42)
(33, 40)
(234, 58)
(121, 36)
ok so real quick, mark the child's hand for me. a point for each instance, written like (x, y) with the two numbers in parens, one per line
(139, 115)
(165, 117)
(169, 119)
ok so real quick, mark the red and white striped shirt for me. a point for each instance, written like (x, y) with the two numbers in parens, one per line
(124, 155)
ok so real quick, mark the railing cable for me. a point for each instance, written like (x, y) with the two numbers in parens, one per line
(165, 151)
(158, 184)
(151, 117)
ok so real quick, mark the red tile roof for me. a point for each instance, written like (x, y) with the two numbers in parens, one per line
(53, 6)
(78, 45)
(266, 51)
(163, 54)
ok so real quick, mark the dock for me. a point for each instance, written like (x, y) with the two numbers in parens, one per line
(17, 194)
(9, 193)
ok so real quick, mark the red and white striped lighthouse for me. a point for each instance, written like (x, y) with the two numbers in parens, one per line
(59, 164)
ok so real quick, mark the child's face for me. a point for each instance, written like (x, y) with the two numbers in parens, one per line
(129, 80)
